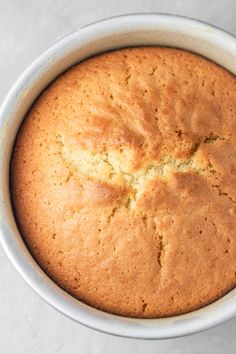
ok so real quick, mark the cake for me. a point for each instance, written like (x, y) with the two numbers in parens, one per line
(123, 181)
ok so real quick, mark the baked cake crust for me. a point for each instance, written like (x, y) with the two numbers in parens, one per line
(123, 181)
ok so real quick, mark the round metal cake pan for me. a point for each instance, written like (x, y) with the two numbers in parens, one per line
(102, 36)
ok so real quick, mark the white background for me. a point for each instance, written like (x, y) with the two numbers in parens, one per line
(27, 324)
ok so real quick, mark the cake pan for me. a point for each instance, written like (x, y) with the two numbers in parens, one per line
(109, 34)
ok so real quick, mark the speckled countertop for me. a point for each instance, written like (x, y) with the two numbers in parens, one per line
(27, 324)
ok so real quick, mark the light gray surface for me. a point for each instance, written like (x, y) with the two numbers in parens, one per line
(27, 324)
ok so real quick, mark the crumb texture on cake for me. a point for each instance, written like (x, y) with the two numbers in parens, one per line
(123, 181)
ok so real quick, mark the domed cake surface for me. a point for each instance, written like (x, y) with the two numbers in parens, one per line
(123, 181)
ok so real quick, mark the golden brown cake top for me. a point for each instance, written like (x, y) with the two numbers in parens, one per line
(123, 181)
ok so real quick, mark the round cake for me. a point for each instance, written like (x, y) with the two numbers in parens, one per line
(123, 181)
